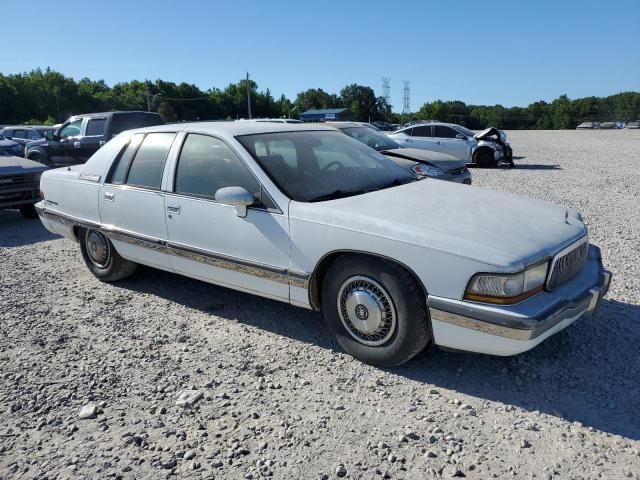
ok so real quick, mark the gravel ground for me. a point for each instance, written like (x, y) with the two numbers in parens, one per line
(275, 397)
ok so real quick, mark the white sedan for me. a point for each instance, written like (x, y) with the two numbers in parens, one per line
(307, 215)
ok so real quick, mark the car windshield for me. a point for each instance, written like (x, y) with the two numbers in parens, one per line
(368, 136)
(312, 166)
(464, 131)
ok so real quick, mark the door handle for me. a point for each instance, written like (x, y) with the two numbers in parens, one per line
(109, 196)
(173, 209)
(438, 142)
(76, 145)
(101, 143)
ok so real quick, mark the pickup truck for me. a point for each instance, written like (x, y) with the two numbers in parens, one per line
(82, 135)
(19, 183)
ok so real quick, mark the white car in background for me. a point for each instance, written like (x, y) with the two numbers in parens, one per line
(488, 148)
(305, 214)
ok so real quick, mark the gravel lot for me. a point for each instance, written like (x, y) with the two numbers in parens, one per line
(278, 397)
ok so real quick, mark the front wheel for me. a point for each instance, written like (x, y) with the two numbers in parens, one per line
(376, 310)
(101, 257)
(484, 158)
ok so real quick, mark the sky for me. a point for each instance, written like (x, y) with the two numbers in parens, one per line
(495, 52)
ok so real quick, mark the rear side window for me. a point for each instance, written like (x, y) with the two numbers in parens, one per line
(148, 163)
(422, 131)
(20, 134)
(122, 122)
(95, 126)
(119, 174)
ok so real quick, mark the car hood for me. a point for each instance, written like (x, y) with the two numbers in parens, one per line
(487, 133)
(41, 142)
(6, 143)
(17, 165)
(496, 228)
(441, 160)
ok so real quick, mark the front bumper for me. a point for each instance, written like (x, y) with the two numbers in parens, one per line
(509, 330)
(464, 178)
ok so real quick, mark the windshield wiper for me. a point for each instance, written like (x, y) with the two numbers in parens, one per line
(336, 194)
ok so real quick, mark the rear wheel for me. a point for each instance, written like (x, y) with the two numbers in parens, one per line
(484, 158)
(29, 211)
(102, 259)
(376, 310)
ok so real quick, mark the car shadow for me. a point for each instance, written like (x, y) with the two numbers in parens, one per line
(516, 157)
(17, 231)
(574, 375)
(533, 166)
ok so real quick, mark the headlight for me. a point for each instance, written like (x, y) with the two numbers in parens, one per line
(423, 170)
(507, 289)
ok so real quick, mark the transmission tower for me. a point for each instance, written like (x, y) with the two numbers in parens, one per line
(406, 97)
(386, 89)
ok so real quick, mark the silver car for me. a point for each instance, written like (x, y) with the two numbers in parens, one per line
(488, 148)
(421, 162)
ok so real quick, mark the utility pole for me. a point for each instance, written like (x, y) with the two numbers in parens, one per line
(248, 97)
(147, 95)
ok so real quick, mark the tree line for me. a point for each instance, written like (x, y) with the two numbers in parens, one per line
(50, 97)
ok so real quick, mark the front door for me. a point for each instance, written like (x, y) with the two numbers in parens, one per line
(132, 204)
(63, 150)
(446, 141)
(208, 239)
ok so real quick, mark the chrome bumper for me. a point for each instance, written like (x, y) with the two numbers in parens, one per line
(496, 321)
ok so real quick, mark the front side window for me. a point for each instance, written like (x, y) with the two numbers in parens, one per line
(71, 129)
(20, 134)
(207, 164)
(445, 132)
(33, 135)
(95, 126)
(148, 164)
(328, 164)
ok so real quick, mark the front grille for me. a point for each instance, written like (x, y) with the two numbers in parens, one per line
(567, 264)
(458, 171)
(13, 181)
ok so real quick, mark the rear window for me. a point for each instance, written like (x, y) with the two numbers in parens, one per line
(148, 163)
(95, 126)
(122, 122)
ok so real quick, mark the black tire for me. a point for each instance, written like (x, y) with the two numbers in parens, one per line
(112, 267)
(28, 211)
(37, 157)
(484, 158)
(412, 331)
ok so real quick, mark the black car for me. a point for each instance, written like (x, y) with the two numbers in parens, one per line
(19, 184)
(82, 135)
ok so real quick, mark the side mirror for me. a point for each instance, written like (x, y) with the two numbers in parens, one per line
(237, 197)
(461, 136)
(50, 136)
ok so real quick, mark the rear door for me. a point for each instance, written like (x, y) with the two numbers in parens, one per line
(131, 200)
(422, 137)
(93, 138)
(445, 141)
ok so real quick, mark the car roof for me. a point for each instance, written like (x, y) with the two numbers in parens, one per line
(107, 114)
(231, 128)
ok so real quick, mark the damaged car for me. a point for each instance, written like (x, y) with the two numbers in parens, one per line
(421, 163)
(488, 148)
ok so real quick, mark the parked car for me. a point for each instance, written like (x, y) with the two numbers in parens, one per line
(608, 125)
(488, 148)
(422, 163)
(588, 126)
(82, 135)
(23, 134)
(9, 147)
(633, 124)
(19, 184)
(307, 215)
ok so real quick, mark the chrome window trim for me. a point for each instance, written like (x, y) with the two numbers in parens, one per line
(269, 272)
